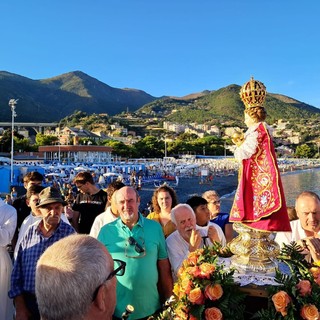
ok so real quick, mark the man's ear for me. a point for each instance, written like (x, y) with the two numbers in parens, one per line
(100, 300)
(28, 202)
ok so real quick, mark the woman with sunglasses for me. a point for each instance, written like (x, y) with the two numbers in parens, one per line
(221, 219)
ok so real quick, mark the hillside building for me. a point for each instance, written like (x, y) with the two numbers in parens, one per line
(69, 135)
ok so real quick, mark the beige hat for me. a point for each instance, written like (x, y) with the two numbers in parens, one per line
(50, 195)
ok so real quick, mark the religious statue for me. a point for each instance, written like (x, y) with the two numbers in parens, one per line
(259, 206)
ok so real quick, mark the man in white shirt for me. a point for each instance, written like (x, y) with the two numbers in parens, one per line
(32, 199)
(187, 238)
(200, 207)
(305, 230)
(110, 214)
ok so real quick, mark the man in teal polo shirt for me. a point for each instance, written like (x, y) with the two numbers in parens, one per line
(141, 244)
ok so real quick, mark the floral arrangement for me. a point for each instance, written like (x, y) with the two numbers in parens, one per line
(298, 293)
(204, 290)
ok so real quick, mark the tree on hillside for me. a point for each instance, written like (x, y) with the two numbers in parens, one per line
(304, 151)
(119, 148)
(45, 140)
(149, 147)
(187, 136)
(177, 146)
(23, 145)
(20, 142)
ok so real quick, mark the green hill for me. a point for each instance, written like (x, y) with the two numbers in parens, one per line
(52, 99)
(225, 105)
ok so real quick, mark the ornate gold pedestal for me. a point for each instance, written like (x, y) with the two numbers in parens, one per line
(254, 250)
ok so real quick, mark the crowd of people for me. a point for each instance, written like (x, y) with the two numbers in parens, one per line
(93, 248)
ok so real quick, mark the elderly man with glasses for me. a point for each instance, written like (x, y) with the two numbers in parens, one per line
(216, 216)
(39, 236)
(65, 293)
(141, 244)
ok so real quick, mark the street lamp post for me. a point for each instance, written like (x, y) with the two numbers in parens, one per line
(165, 147)
(12, 104)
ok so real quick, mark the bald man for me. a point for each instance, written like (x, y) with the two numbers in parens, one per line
(75, 279)
(305, 230)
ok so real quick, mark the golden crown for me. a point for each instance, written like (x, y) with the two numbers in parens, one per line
(253, 93)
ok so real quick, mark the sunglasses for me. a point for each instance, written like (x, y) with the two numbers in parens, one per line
(215, 202)
(138, 248)
(132, 241)
(120, 268)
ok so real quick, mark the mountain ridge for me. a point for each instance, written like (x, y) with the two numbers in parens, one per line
(225, 105)
(54, 98)
(51, 99)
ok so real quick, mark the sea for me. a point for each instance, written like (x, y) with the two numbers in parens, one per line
(297, 181)
(293, 182)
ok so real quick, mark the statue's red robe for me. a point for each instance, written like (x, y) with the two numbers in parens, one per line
(259, 200)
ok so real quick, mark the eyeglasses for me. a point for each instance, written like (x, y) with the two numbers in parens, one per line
(132, 241)
(79, 186)
(138, 248)
(215, 202)
(120, 268)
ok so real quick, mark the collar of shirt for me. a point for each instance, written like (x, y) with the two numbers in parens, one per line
(38, 229)
(139, 223)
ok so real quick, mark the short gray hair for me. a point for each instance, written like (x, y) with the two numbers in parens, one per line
(307, 194)
(177, 208)
(209, 194)
(67, 275)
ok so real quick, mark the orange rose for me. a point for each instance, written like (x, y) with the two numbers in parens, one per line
(315, 271)
(317, 280)
(193, 271)
(213, 291)
(309, 312)
(193, 258)
(213, 314)
(196, 296)
(206, 269)
(304, 287)
(281, 301)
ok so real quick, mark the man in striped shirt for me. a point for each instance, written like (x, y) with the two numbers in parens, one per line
(37, 239)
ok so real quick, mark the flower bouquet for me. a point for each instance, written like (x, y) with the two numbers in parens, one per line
(204, 290)
(298, 293)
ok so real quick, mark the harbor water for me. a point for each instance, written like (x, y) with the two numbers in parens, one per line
(293, 182)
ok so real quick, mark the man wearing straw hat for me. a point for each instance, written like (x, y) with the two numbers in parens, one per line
(37, 239)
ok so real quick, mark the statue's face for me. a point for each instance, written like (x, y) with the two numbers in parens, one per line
(248, 120)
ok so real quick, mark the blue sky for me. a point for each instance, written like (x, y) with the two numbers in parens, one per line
(167, 47)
